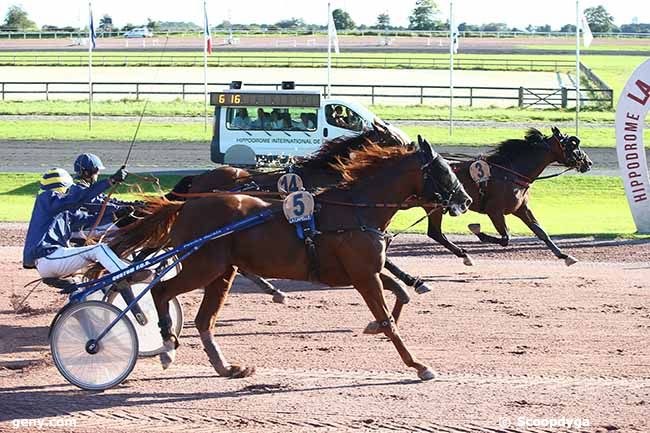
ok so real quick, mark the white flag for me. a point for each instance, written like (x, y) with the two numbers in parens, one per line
(331, 32)
(586, 31)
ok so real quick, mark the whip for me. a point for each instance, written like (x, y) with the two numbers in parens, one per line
(102, 211)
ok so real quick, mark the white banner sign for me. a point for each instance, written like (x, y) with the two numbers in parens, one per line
(633, 106)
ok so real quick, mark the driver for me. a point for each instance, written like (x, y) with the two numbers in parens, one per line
(56, 209)
(87, 167)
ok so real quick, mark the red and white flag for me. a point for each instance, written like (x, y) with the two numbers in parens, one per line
(206, 31)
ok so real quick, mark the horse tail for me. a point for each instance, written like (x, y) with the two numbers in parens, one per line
(151, 231)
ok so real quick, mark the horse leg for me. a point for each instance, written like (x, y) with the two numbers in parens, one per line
(434, 231)
(192, 276)
(372, 291)
(499, 221)
(526, 215)
(213, 299)
(279, 297)
(411, 281)
(401, 299)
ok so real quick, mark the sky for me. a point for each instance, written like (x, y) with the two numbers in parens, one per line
(517, 13)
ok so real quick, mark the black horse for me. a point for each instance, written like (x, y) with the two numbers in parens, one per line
(499, 184)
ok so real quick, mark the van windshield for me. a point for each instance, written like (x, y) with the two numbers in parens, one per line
(272, 119)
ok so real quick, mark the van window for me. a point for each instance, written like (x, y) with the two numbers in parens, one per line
(272, 119)
(343, 117)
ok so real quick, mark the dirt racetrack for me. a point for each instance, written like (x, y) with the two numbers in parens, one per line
(518, 340)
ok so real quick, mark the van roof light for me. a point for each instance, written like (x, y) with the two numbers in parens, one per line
(236, 85)
(288, 85)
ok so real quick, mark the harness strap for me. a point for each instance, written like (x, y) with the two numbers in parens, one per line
(375, 231)
(403, 205)
(508, 170)
(312, 257)
(554, 174)
(468, 158)
(222, 193)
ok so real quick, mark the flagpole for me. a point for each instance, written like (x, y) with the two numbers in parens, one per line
(451, 68)
(578, 99)
(205, 68)
(90, 68)
(329, 48)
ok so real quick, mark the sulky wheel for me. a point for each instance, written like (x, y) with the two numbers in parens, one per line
(150, 341)
(82, 361)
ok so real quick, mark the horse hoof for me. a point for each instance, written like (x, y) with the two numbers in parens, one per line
(422, 288)
(372, 328)
(169, 355)
(426, 374)
(239, 372)
(570, 260)
(474, 228)
(167, 359)
(467, 261)
(279, 297)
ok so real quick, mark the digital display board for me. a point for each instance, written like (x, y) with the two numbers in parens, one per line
(249, 99)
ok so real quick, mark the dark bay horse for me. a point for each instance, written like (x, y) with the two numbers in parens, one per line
(513, 166)
(315, 170)
(351, 247)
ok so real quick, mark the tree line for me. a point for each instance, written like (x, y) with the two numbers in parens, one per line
(424, 16)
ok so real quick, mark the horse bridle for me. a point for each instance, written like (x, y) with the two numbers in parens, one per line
(431, 183)
(573, 156)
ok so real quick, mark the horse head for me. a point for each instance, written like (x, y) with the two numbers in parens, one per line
(568, 151)
(440, 183)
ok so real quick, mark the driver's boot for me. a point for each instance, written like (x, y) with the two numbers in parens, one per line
(124, 289)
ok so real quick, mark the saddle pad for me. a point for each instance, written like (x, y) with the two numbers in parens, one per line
(298, 206)
(289, 183)
(479, 171)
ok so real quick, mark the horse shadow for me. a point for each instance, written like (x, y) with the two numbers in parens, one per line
(476, 248)
(243, 285)
(33, 402)
(27, 342)
(22, 339)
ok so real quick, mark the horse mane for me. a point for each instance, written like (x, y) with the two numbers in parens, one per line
(341, 147)
(508, 150)
(367, 160)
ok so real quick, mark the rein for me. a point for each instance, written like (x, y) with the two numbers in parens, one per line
(526, 178)
(402, 205)
(554, 174)
(222, 193)
(100, 215)
(463, 157)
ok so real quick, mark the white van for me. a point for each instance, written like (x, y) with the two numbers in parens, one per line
(260, 125)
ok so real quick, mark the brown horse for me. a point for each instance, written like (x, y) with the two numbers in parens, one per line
(513, 166)
(351, 247)
(316, 172)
